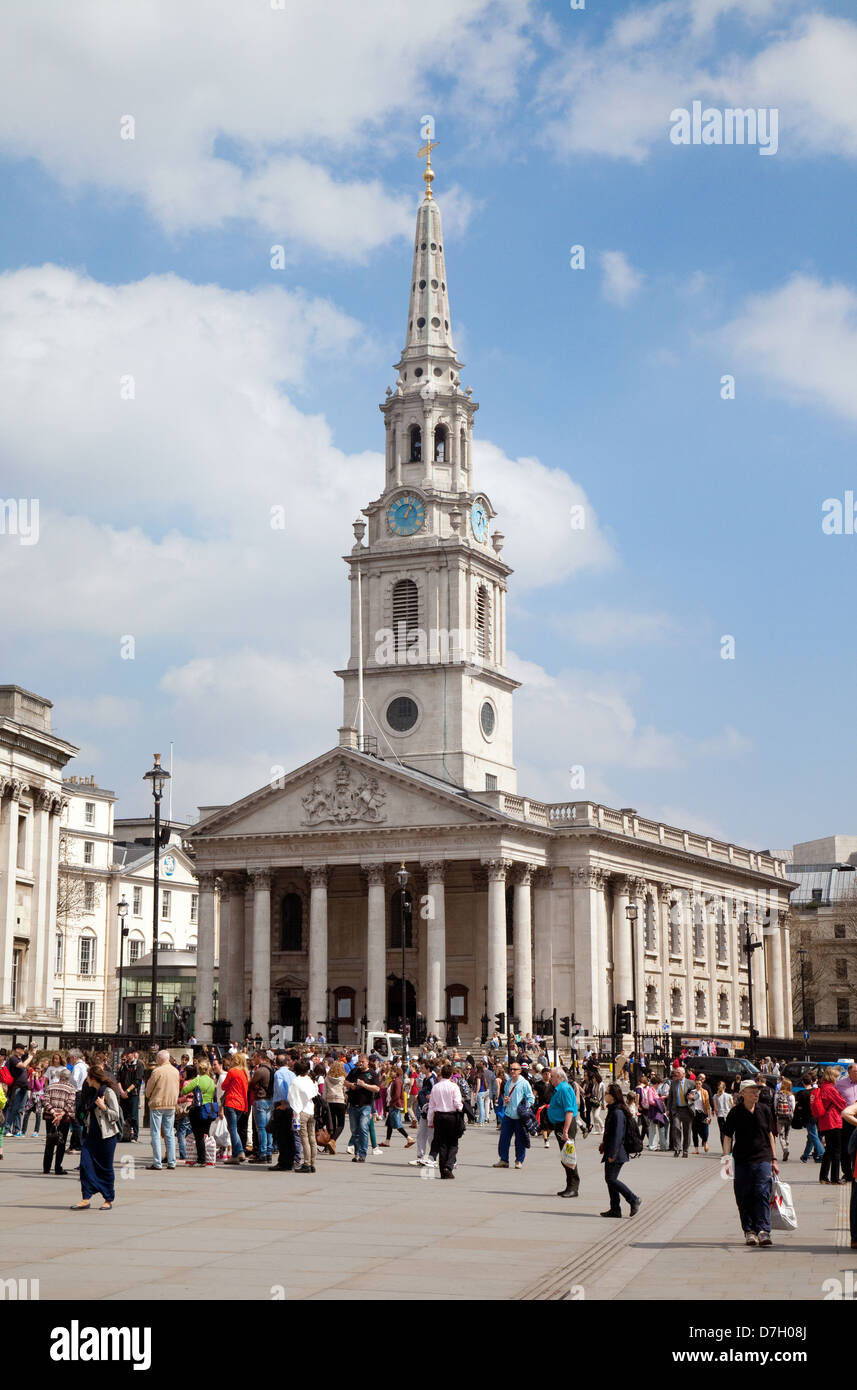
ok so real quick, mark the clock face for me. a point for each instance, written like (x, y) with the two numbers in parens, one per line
(406, 515)
(479, 520)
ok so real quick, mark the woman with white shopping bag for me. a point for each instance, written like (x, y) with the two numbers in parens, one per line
(750, 1157)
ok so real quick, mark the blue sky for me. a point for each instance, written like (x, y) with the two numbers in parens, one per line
(255, 386)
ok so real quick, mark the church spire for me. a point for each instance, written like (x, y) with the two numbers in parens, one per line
(429, 354)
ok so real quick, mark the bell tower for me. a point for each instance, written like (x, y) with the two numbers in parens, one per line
(428, 586)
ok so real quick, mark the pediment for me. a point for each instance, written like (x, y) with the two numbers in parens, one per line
(343, 791)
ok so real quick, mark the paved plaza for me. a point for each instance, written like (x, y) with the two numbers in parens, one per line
(386, 1230)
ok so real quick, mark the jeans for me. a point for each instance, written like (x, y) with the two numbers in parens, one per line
(615, 1188)
(830, 1162)
(131, 1112)
(423, 1137)
(232, 1117)
(163, 1121)
(359, 1117)
(262, 1114)
(15, 1109)
(813, 1143)
(38, 1125)
(394, 1121)
(55, 1145)
(753, 1195)
(682, 1119)
(508, 1130)
(659, 1136)
(484, 1100)
(182, 1131)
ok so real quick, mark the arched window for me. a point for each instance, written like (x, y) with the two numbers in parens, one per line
(291, 923)
(483, 622)
(651, 1001)
(699, 940)
(396, 920)
(651, 931)
(675, 929)
(456, 1003)
(722, 1007)
(701, 1004)
(510, 915)
(135, 948)
(406, 612)
(343, 1004)
(676, 1010)
(462, 451)
(745, 1011)
(416, 436)
(441, 438)
(721, 938)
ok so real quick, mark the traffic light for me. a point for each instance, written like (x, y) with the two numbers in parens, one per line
(565, 1026)
(500, 1021)
(623, 1019)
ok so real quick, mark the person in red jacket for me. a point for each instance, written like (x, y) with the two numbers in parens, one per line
(827, 1105)
(235, 1103)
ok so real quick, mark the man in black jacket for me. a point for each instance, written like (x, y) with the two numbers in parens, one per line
(130, 1079)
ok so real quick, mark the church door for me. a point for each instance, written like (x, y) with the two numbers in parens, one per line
(394, 1005)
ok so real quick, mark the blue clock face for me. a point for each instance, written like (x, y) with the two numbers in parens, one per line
(406, 515)
(479, 520)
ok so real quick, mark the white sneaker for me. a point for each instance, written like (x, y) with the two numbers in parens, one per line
(416, 1162)
(430, 1162)
(519, 1165)
(350, 1149)
(750, 1238)
(377, 1151)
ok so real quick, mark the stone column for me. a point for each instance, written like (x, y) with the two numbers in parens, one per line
(261, 957)
(760, 974)
(232, 951)
(376, 946)
(688, 908)
(523, 929)
(665, 891)
(497, 986)
(543, 941)
(435, 997)
(773, 955)
(10, 793)
(785, 942)
(44, 891)
(246, 1011)
(319, 877)
(622, 983)
(56, 807)
(205, 956)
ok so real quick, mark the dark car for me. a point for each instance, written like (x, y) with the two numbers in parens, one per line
(726, 1069)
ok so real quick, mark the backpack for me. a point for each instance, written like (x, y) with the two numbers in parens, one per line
(632, 1143)
(782, 1106)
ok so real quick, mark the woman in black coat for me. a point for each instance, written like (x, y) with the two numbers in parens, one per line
(613, 1150)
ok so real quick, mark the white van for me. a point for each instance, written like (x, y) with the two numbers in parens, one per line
(384, 1044)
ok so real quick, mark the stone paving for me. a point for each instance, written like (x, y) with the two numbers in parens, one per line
(384, 1229)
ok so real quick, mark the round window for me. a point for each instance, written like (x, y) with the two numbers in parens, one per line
(488, 719)
(402, 714)
(421, 323)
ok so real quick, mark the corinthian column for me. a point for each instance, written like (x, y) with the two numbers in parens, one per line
(497, 870)
(261, 952)
(435, 1000)
(205, 957)
(319, 877)
(523, 940)
(622, 984)
(376, 946)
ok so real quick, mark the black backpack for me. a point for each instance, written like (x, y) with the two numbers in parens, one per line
(632, 1143)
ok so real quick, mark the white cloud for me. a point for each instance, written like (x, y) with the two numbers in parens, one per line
(246, 111)
(802, 338)
(621, 281)
(615, 627)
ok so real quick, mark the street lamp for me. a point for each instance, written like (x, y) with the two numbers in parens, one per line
(802, 952)
(122, 909)
(158, 777)
(631, 912)
(402, 879)
(750, 945)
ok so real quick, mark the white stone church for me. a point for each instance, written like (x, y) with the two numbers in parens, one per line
(512, 906)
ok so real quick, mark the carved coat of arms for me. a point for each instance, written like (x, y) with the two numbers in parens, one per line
(346, 799)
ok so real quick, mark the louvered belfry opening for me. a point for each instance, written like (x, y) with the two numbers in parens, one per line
(483, 623)
(406, 612)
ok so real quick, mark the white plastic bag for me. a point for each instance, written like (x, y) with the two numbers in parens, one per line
(783, 1215)
(568, 1154)
(220, 1133)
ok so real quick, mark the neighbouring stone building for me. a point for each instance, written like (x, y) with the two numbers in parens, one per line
(824, 936)
(513, 906)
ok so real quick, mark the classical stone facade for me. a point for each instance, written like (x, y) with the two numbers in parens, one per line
(516, 907)
(32, 801)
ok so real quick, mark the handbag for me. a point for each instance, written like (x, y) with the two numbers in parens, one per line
(220, 1133)
(568, 1154)
(322, 1137)
(207, 1109)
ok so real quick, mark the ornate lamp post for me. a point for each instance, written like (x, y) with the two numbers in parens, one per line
(122, 910)
(751, 944)
(631, 912)
(158, 777)
(402, 879)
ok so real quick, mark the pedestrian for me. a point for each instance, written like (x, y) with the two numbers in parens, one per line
(517, 1092)
(78, 1071)
(498, 1072)
(700, 1112)
(597, 1101)
(425, 1140)
(261, 1097)
(849, 1128)
(35, 1097)
(562, 1112)
(803, 1118)
(162, 1093)
(395, 1109)
(617, 1124)
(103, 1118)
(723, 1103)
(847, 1087)
(334, 1094)
(235, 1091)
(17, 1090)
(202, 1089)
(483, 1093)
(681, 1091)
(301, 1099)
(784, 1109)
(289, 1153)
(130, 1079)
(59, 1100)
(750, 1156)
(444, 1117)
(361, 1086)
(827, 1104)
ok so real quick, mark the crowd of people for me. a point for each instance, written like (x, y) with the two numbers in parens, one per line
(282, 1109)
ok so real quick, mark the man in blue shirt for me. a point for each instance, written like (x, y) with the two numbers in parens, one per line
(288, 1143)
(516, 1093)
(562, 1115)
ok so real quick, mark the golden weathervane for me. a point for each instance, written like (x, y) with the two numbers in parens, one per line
(429, 173)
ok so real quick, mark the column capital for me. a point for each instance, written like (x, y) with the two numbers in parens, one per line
(522, 874)
(44, 798)
(206, 879)
(318, 875)
(435, 870)
(234, 881)
(624, 884)
(261, 879)
(588, 876)
(13, 787)
(544, 877)
(375, 874)
(497, 869)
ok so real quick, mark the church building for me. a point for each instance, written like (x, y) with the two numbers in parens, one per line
(511, 906)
